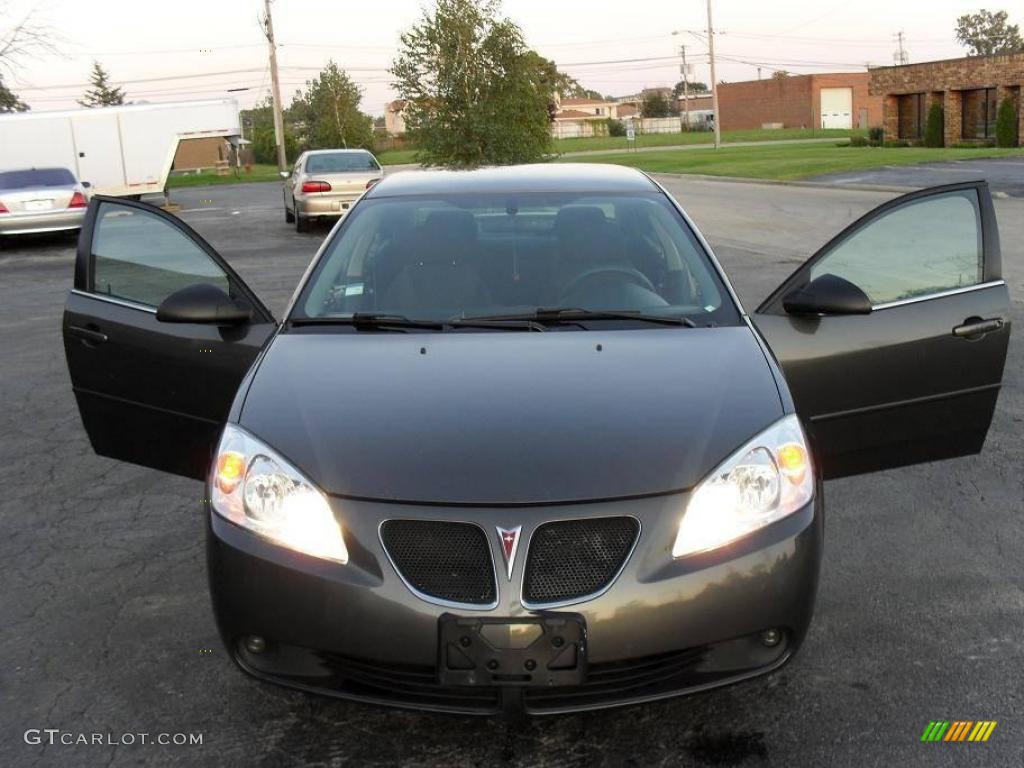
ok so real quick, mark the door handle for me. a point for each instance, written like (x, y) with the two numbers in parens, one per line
(87, 335)
(975, 326)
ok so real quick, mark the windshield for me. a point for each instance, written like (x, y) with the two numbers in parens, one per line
(36, 177)
(443, 257)
(341, 162)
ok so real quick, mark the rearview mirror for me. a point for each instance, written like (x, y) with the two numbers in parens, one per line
(828, 295)
(202, 303)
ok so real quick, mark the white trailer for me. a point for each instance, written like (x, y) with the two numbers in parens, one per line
(119, 150)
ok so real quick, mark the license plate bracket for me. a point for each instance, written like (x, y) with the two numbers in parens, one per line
(532, 651)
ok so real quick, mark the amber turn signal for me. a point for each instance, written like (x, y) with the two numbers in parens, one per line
(230, 470)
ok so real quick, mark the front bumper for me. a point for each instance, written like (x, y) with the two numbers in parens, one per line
(663, 628)
(43, 221)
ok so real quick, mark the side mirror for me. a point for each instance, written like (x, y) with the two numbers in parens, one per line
(828, 295)
(87, 184)
(285, 174)
(202, 303)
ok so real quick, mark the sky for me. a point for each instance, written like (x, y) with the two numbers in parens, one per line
(190, 49)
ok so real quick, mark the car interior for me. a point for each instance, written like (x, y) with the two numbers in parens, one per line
(440, 259)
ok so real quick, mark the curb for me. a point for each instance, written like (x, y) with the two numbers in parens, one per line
(789, 182)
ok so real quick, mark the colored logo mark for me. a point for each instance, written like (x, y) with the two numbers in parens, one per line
(958, 730)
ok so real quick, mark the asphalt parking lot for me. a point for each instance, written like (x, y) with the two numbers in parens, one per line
(1005, 175)
(107, 628)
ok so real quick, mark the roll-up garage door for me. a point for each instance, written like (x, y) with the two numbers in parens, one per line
(836, 108)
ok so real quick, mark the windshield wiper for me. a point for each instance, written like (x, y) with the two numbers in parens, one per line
(370, 321)
(388, 321)
(575, 314)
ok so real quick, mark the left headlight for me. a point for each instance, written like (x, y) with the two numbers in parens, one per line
(257, 489)
(768, 478)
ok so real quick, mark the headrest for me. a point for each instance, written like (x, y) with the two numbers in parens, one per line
(579, 221)
(444, 237)
(450, 225)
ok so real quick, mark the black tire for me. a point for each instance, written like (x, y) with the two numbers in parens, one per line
(289, 217)
(301, 223)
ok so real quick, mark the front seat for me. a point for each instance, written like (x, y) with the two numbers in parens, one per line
(587, 241)
(439, 276)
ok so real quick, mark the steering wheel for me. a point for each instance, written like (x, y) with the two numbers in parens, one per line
(634, 276)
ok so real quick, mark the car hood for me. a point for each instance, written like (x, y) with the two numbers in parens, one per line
(510, 417)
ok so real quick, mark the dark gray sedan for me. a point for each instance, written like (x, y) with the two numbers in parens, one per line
(516, 444)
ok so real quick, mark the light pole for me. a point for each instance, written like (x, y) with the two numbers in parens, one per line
(714, 81)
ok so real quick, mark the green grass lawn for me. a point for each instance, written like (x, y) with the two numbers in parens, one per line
(258, 173)
(269, 172)
(791, 161)
(397, 156)
(698, 137)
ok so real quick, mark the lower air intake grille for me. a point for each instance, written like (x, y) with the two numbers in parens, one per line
(571, 559)
(448, 561)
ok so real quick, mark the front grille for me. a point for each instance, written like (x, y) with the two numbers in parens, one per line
(570, 559)
(448, 561)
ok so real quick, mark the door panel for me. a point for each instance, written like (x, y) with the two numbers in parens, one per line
(152, 393)
(98, 144)
(917, 378)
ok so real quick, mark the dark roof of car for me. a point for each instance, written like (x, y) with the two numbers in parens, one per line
(546, 177)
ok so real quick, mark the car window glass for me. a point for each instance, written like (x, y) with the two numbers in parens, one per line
(445, 256)
(140, 257)
(341, 162)
(36, 177)
(924, 247)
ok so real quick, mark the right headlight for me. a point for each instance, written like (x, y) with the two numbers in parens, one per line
(768, 478)
(256, 488)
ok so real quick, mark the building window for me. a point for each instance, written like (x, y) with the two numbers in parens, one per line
(979, 114)
(911, 116)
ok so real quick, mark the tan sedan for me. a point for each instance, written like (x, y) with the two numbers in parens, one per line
(326, 182)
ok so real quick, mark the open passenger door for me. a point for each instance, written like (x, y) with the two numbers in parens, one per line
(158, 333)
(893, 336)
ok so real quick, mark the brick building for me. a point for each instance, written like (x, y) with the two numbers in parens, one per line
(969, 90)
(837, 100)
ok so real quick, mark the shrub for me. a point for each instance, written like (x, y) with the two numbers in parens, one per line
(858, 141)
(1006, 124)
(876, 134)
(616, 127)
(935, 128)
(897, 143)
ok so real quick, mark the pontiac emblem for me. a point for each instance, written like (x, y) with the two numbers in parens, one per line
(509, 538)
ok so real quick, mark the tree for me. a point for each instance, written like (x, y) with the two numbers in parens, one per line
(329, 111)
(934, 129)
(475, 92)
(101, 94)
(23, 37)
(691, 88)
(1006, 124)
(9, 101)
(985, 33)
(258, 127)
(780, 74)
(655, 105)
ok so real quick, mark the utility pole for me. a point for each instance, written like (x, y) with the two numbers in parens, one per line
(268, 29)
(686, 89)
(714, 81)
